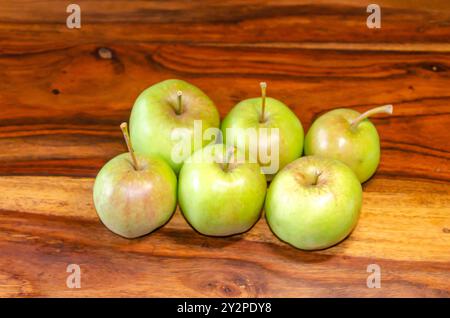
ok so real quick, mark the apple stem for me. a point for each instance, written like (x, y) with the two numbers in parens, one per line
(316, 177)
(263, 86)
(124, 127)
(180, 104)
(387, 109)
(229, 153)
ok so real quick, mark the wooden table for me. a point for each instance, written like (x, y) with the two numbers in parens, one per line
(61, 103)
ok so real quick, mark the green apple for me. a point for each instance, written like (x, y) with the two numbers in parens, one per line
(313, 203)
(162, 108)
(220, 196)
(134, 194)
(347, 135)
(284, 145)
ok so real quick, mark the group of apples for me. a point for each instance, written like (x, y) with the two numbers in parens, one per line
(313, 202)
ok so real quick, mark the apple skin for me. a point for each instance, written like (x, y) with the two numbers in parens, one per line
(331, 136)
(246, 114)
(313, 216)
(130, 202)
(154, 116)
(220, 202)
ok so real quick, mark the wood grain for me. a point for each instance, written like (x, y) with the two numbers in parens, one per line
(61, 104)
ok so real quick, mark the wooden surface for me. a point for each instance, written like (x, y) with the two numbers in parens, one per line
(61, 106)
